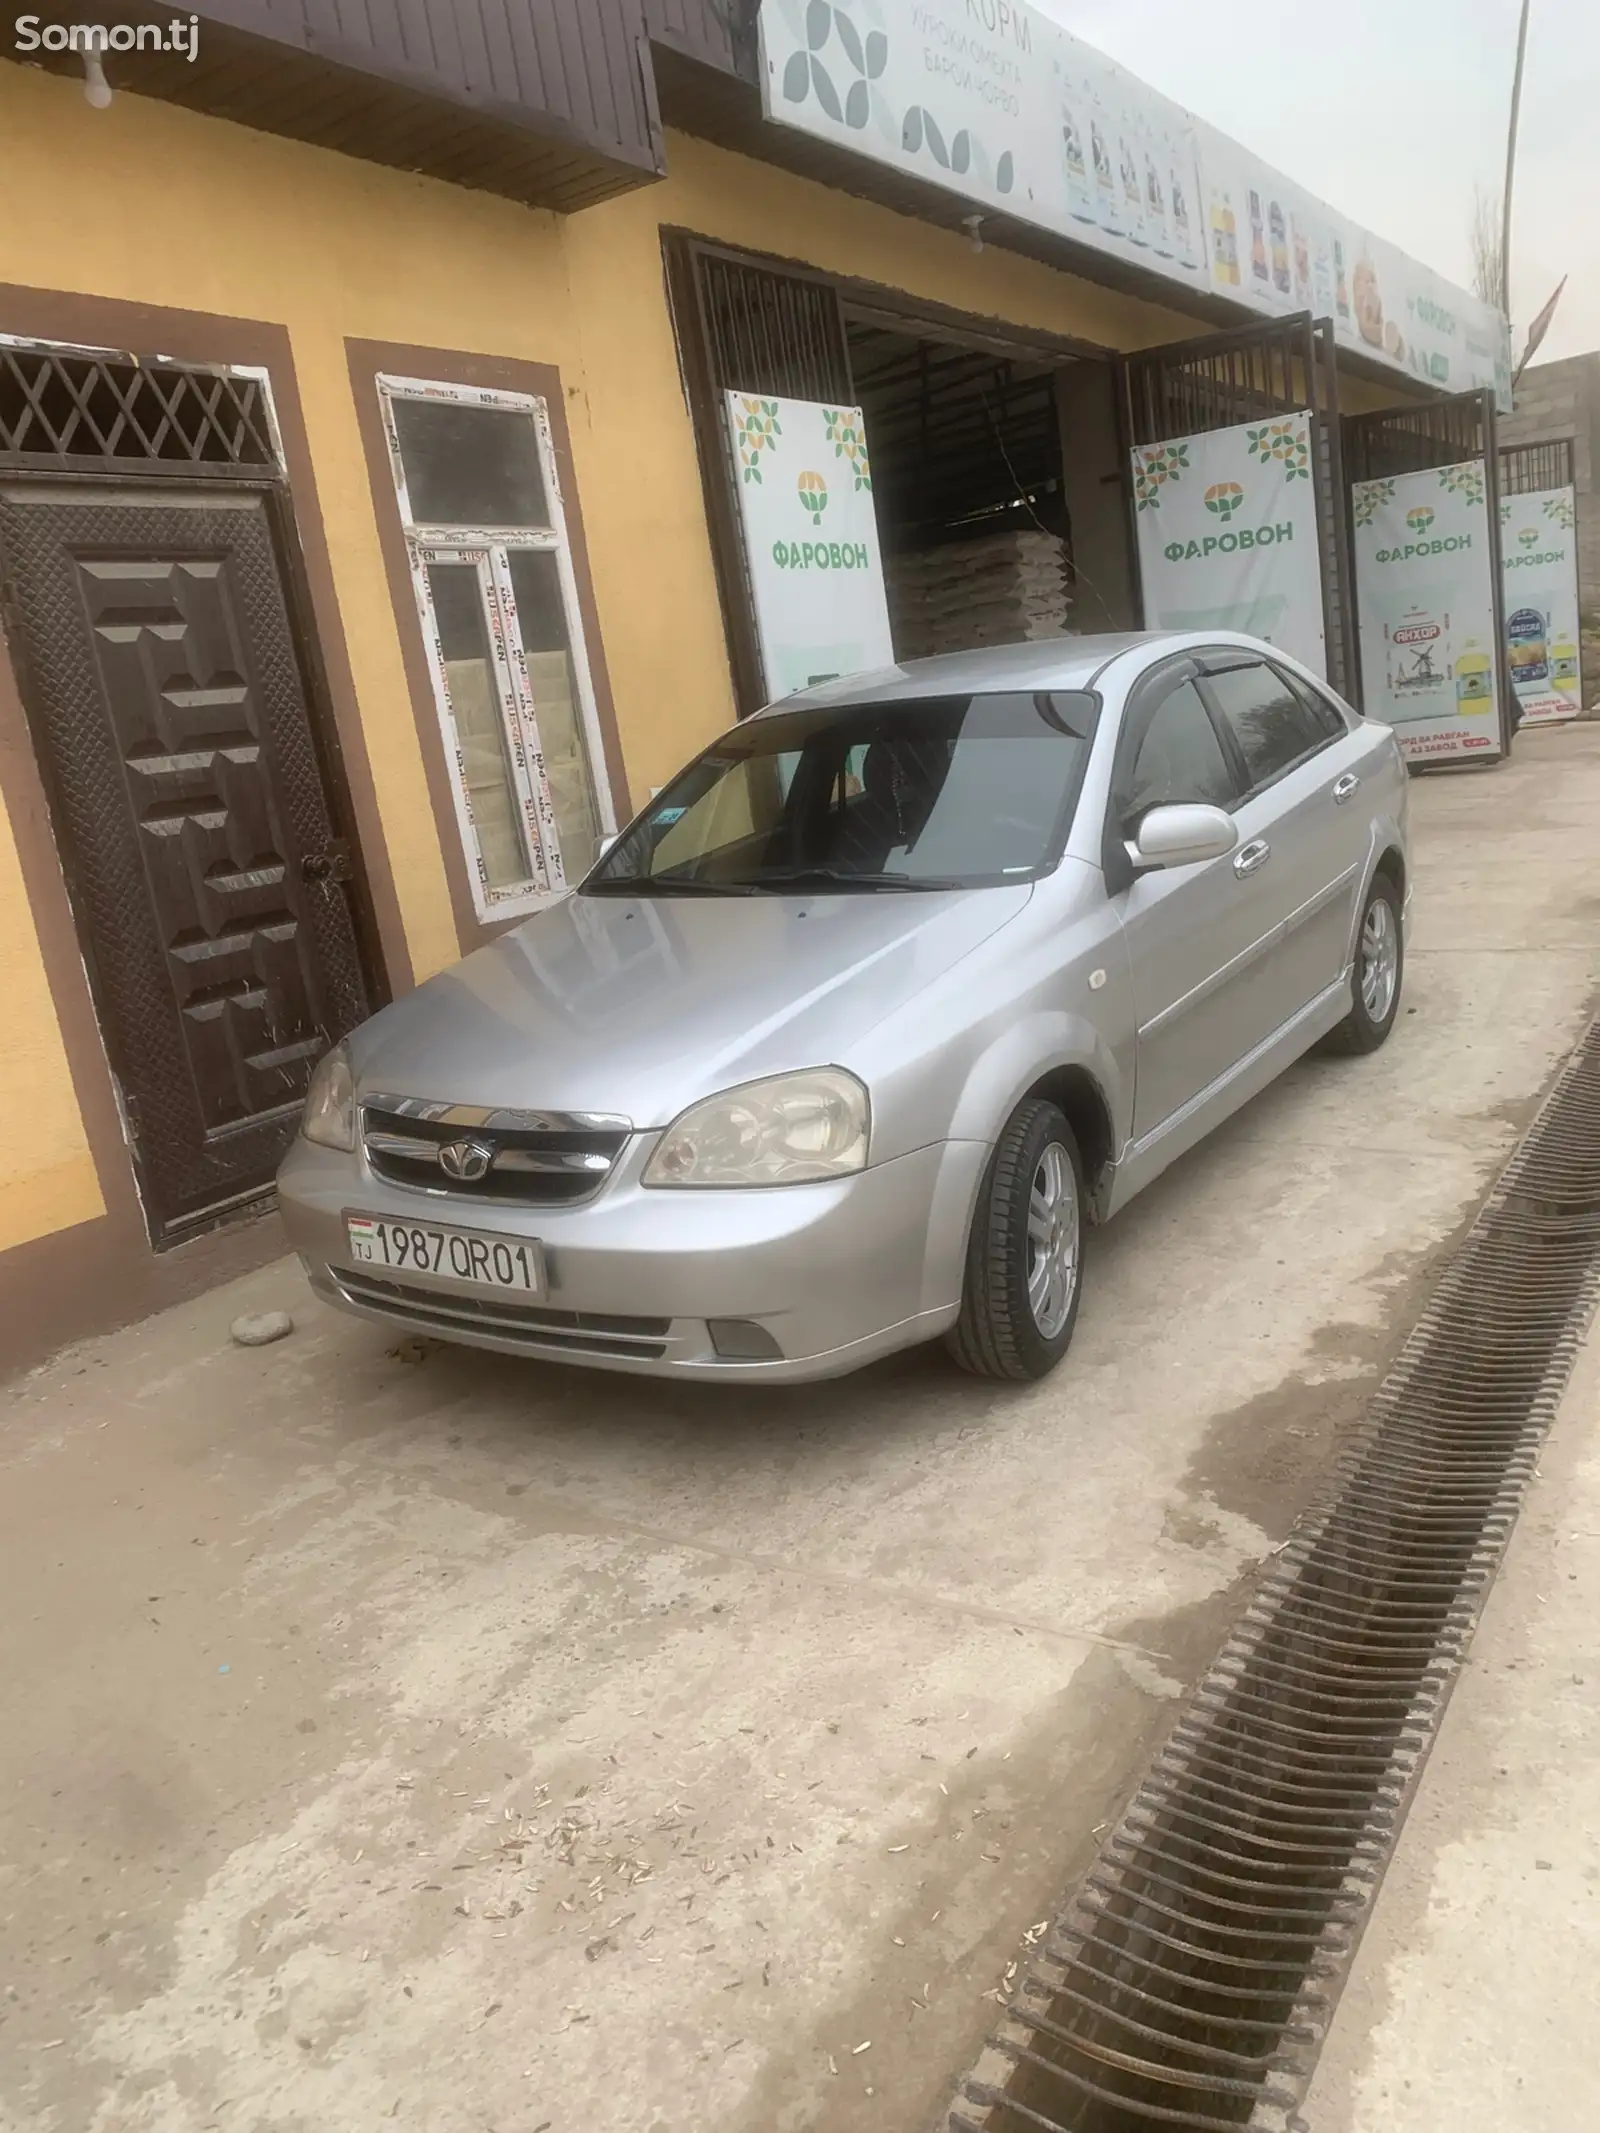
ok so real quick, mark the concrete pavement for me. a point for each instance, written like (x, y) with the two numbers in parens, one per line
(474, 1745)
(1471, 2002)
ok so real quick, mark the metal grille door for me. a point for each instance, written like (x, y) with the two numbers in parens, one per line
(155, 651)
(744, 326)
(1440, 433)
(768, 332)
(1527, 468)
(1220, 380)
(1409, 440)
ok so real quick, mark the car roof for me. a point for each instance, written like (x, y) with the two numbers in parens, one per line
(1056, 663)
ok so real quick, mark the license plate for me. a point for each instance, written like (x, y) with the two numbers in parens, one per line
(446, 1254)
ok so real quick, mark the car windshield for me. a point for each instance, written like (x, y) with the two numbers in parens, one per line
(938, 793)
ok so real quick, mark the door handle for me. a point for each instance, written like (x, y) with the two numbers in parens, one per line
(1253, 856)
(1344, 787)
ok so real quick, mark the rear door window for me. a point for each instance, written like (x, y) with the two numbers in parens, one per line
(1273, 725)
(1324, 708)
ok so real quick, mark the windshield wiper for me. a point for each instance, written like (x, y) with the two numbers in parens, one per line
(762, 884)
(668, 886)
(842, 877)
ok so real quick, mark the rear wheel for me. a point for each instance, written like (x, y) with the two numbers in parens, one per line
(1379, 973)
(1024, 1273)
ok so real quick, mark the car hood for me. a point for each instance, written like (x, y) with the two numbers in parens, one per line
(640, 1006)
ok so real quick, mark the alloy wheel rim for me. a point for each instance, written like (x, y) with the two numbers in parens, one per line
(1380, 958)
(1052, 1240)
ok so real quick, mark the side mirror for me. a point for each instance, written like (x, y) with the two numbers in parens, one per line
(1179, 836)
(606, 843)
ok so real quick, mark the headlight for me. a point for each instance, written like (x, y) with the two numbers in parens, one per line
(787, 1131)
(329, 1117)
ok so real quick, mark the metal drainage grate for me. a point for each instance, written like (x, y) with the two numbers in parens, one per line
(1191, 1978)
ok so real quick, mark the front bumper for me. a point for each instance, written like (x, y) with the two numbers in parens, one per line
(837, 1273)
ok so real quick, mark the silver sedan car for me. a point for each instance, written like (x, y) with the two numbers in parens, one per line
(877, 1008)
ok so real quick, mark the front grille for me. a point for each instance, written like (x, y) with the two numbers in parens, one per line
(534, 1159)
(446, 1313)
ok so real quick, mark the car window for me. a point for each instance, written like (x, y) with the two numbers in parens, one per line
(1179, 758)
(1323, 708)
(1274, 725)
(935, 792)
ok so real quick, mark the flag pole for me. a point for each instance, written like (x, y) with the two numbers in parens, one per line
(1511, 164)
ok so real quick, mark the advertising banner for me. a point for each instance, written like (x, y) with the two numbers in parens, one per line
(1425, 596)
(1539, 568)
(811, 539)
(1227, 525)
(996, 102)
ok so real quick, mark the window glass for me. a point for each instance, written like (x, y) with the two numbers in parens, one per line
(1272, 722)
(478, 712)
(1330, 720)
(949, 791)
(470, 466)
(541, 621)
(1179, 760)
(488, 550)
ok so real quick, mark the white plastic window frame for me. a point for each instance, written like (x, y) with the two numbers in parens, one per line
(489, 549)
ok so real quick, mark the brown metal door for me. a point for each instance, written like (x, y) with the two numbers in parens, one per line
(152, 639)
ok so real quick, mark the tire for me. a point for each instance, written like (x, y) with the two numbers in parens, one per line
(1376, 999)
(1001, 1333)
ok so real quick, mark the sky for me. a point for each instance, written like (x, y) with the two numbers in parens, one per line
(1392, 110)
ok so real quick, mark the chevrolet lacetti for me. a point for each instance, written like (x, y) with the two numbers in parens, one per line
(888, 997)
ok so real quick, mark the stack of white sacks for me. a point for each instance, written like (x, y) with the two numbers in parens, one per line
(1009, 587)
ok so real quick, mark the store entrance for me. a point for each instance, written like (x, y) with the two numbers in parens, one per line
(997, 489)
(967, 481)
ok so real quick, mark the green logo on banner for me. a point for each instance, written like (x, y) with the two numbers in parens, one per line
(1465, 480)
(1153, 466)
(849, 442)
(1419, 518)
(1285, 443)
(758, 431)
(813, 496)
(1224, 498)
(1229, 543)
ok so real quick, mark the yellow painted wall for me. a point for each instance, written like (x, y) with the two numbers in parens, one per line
(47, 1175)
(149, 203)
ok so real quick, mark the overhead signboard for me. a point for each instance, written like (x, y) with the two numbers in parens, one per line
(999, 104)
(1425, 600)
(1539, 568)
(811, 539)
(1227, 526)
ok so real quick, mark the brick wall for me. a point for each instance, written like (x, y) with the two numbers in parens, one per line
(1563, 400)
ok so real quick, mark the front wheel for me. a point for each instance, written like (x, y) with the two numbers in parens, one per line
(1379, 973)
(1024, 1273)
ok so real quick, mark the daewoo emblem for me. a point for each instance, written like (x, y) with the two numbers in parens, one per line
(466, 1161)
